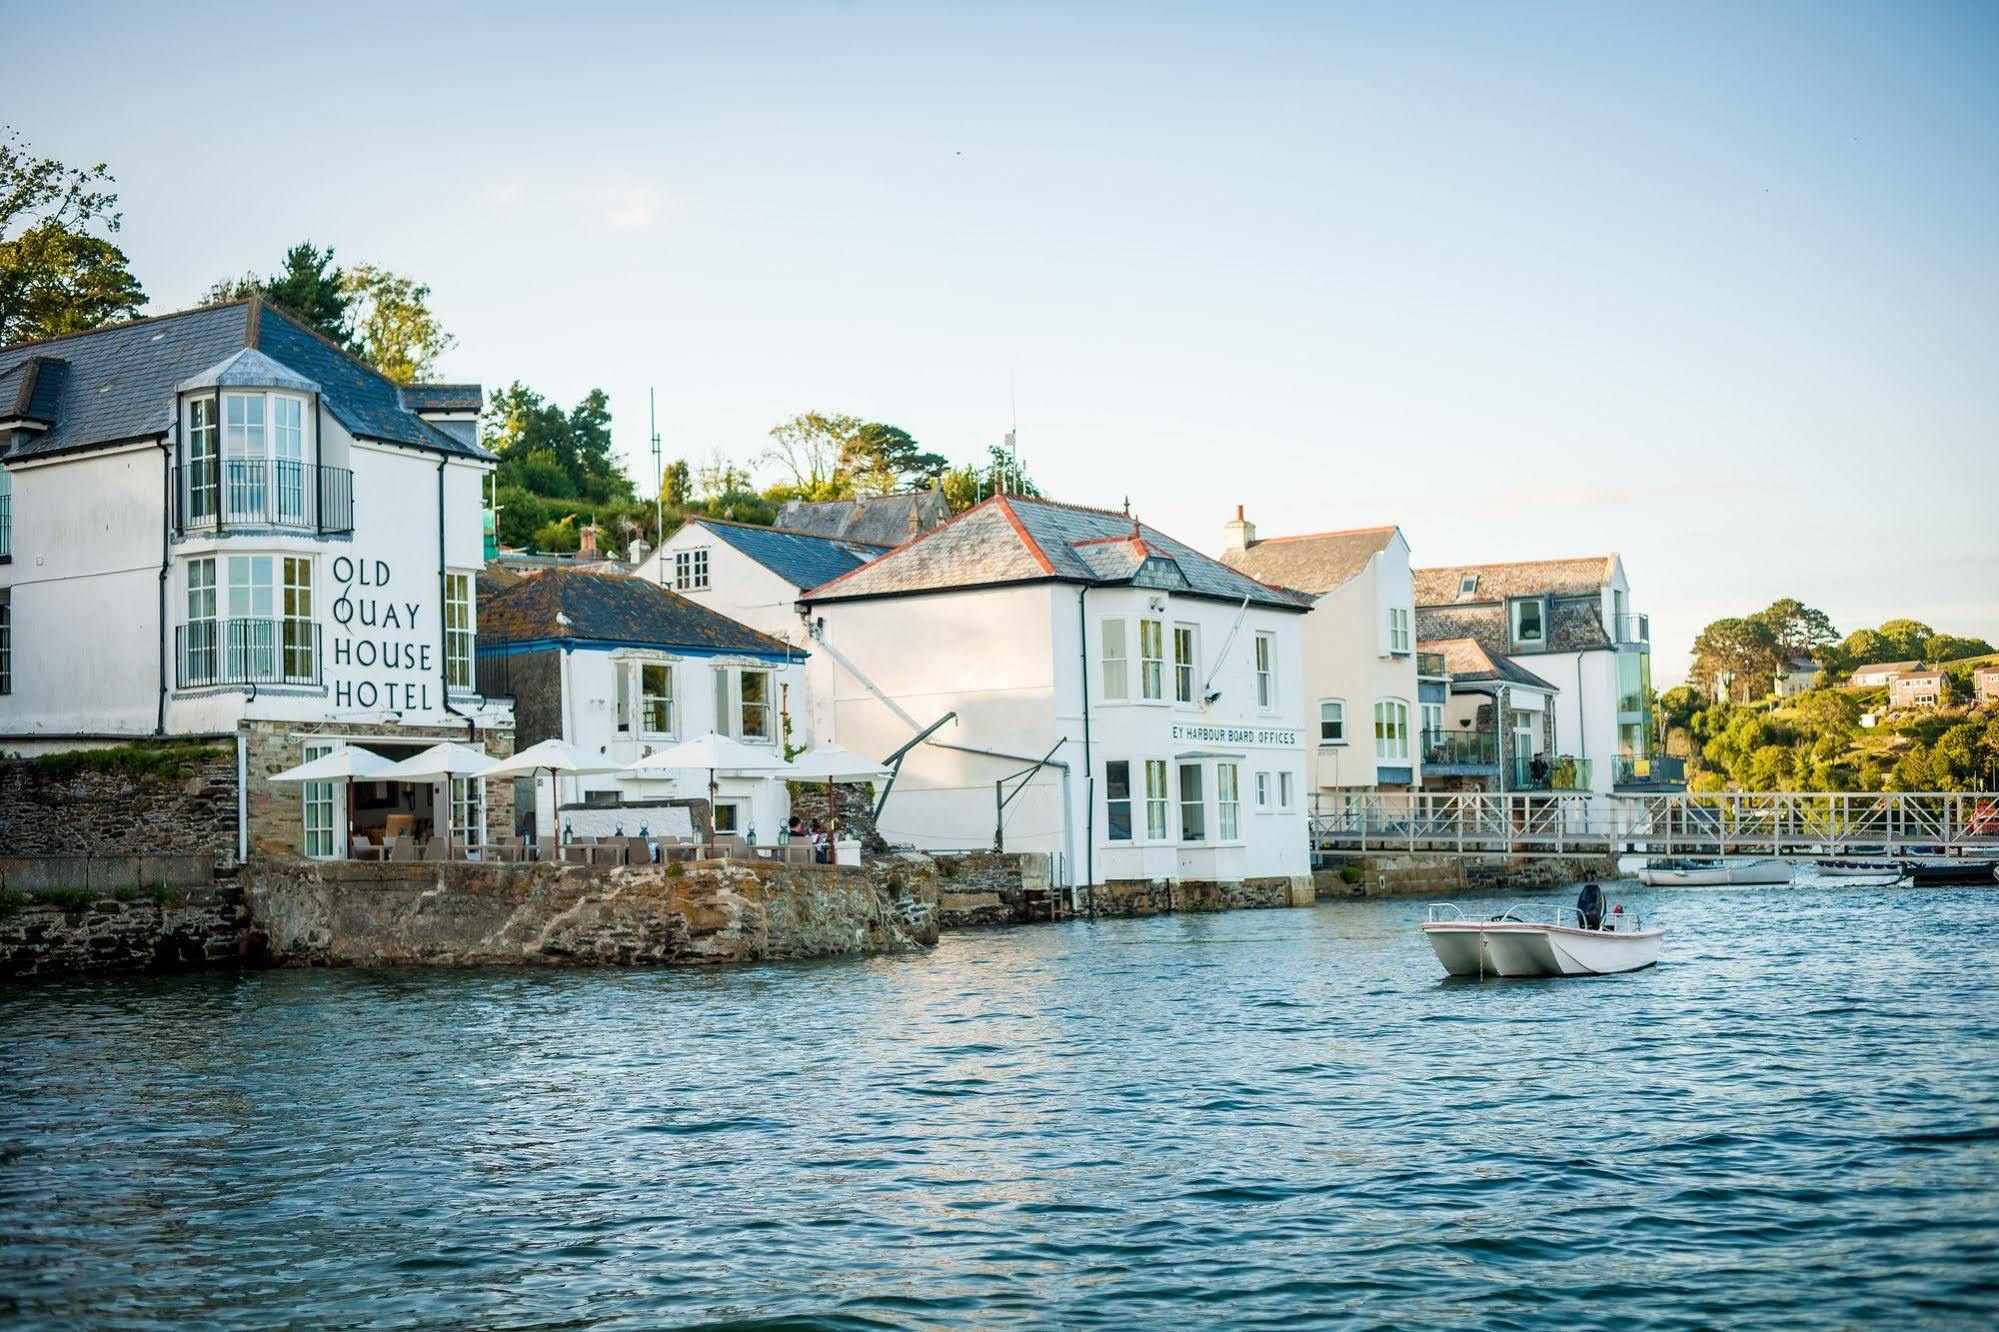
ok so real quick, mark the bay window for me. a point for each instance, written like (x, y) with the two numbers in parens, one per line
(1183, 663)
(1151, 660)
(1117, 800)
(1193, 810)
(1155, 800)
(244, 476)
(458, 631)
(1111, 648)
(1228, 802)
(1391, 731)
(250, 603)
(1266, 671)
(200, 466)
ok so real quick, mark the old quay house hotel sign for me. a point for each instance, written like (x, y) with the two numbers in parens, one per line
(380, 659)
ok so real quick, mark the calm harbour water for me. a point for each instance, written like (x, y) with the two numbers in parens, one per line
(1274, 1117)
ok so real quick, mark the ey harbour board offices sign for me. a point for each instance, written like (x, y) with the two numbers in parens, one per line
(380, 659)
(1235, 735)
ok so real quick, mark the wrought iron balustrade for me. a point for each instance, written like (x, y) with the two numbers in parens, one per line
(246, 651)
(214, 495)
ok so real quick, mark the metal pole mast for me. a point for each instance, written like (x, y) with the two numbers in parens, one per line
(658, 486)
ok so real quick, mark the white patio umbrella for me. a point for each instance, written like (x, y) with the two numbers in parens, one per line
(439, 763)
(344, 764)
(716, 753)
(834, 763)
(554, 757)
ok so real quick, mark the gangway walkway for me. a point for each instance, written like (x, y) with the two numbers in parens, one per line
(1732, 823)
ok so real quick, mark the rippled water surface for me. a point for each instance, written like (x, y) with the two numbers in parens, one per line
(1280, 1117)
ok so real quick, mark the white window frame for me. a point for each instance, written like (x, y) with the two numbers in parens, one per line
(1262, 792)
(1112, 802)
(690, 570)
(1287, 790)
(1433, 718)
(246, 601)
(1186, 662)
(468, 810)
(1513, 610)
(317, 804)
(1339, 720)
(1391, 731)
(766, 707)
(202, 461)
(1113, 649)
(1264, 658)
(642, 722)
(296, 661)
(203, 601)
(460, 630)
(1156, 800)
(1467, 584)
(1398, 631)
(1151, 660)
(1228, 802)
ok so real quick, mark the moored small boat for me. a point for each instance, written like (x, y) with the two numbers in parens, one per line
(1713, 873)
(1862, 873)
(1584, 940)
(1958, 870)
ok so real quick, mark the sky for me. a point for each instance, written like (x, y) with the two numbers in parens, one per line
(1714, 286)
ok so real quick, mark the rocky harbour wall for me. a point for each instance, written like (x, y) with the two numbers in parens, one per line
(1139, 897)
(1443, 877)
(80, 931)
(348, 913)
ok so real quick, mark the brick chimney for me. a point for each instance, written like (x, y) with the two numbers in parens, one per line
(586, 545)
(1238, 535)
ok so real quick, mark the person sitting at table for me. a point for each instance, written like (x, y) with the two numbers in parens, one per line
(796, 828)
(822, 845)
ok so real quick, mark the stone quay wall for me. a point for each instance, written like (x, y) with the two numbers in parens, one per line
(80, 931)
(989, 887)
(1144, 897)
(348, 913)
(1442, 877)
(173, 798)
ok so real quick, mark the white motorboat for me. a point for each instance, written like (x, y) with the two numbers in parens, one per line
(1713, 873)
(1583, 940)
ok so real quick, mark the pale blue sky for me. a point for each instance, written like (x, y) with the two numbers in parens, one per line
(1709, 285)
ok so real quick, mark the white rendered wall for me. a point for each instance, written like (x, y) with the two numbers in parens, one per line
(738, 586)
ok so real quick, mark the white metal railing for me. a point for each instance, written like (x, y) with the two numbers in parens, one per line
(1767, 823)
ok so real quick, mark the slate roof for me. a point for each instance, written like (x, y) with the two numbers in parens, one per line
(443, 397)
(1316, 563)
(1014, 539)
(1530, 578)
(610, 608)
(1470, 661)
(879, 520)
(114, 385)
(800, 558)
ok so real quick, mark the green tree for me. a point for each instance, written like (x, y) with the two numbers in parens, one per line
(1740, 653)
(1939, 648)
(968, 485)
(309, 286)
(811, 449)
(597, 473)
(58, 274)
(677, 484)
(394, 328)
(883, 459)
(1798, 629)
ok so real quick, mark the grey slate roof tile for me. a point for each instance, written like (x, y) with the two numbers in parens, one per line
(1014, 539)
(877, 520)
(1317, 563)
(800, 558)
(116, 384)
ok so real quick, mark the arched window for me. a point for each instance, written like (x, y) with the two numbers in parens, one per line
(1391, 731)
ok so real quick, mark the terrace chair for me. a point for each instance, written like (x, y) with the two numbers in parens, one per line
(576, 853)
(403, 848)
(798, 853)
(434, 849)
(638, 851)
(360, 848)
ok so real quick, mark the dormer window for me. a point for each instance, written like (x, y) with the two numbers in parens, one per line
(1530, 622)
(1467, 584)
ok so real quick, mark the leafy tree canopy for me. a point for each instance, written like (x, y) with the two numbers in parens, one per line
(57, 273)
(548, 452)
(310, 287)
(394, 328)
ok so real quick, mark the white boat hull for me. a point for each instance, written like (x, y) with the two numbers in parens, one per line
(1506, 948)
(1717, 876)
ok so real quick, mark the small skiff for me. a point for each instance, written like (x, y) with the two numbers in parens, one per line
(1713, 873)
(1863, 873)
(1571, 941)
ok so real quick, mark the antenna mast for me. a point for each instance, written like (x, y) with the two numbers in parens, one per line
(658, 485)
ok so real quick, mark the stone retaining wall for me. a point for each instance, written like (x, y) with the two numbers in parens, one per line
(78, 931)
(989, 887)
(1445, 877)
(1138, 897)
(364, 913)
(167, 799)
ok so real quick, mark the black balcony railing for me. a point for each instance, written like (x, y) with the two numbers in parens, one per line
(1460, 749)
(263, 492)
(235, 652)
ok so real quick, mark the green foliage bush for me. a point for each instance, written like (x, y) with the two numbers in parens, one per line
(1351, 874)
(141, 758)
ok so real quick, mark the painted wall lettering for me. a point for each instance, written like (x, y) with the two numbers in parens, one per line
(382, 658)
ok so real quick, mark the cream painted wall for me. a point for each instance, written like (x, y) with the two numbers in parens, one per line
(738, 586)
(1346, 654)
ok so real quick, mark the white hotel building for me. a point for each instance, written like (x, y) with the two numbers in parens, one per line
(218, 523)
(1115, 697)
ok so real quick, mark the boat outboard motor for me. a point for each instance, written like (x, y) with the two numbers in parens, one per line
(1589, 906)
